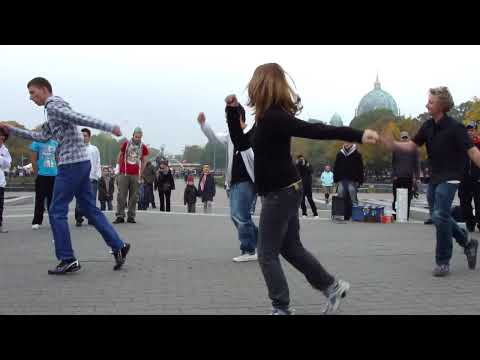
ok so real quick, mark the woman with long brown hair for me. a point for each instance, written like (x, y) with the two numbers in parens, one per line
(278, 183)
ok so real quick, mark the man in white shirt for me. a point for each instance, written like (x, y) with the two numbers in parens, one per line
(95, 172)
(5, 162)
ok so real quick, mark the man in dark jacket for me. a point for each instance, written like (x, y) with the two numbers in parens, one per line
(206, 189)
(165, 184)
(405, 172)
(305, 170)
(106, 188)
(348, 174)
(469, 187)
(148, 177)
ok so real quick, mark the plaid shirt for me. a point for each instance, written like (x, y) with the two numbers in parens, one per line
(61, 125)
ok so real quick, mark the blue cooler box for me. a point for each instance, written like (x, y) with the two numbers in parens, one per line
(367, 213)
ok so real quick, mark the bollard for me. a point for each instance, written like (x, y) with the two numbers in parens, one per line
(401, 205)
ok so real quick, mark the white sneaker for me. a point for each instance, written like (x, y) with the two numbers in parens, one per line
(334, 294)
(316, 216)
(35, 226)
(246, 257)
(304, 216)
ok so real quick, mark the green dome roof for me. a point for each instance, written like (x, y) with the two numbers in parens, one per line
(377, 99)
(336, 120)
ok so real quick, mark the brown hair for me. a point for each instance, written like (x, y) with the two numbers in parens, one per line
(40, 82)
(444, 96)
(269, 86)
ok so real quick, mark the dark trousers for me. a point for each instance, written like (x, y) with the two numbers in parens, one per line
(2, 197)
(78, 211)
(149, 197)
(307, 193)
(403, 183)
(279, 233)
(467, 191)
(164, 199)
(191, 207)
(104, 203)
(43, 191)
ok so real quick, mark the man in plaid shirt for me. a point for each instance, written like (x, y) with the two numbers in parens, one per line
(73, 177)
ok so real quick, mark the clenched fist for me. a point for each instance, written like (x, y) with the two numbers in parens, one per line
(370, 137)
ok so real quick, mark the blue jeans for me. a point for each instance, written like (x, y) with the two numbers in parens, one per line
(73, 180)
(241, 197)
(440, 197)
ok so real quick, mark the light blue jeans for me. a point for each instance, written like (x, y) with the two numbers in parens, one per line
(242, 196)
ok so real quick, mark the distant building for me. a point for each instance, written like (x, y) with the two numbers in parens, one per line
(377, 99)
(336, 120)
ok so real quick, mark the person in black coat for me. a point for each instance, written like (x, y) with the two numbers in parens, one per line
(305, 170)
(206, 189)
(348, 174)
(190, 195)
(106, 187)
(165, 184)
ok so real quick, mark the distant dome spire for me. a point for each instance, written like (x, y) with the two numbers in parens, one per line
(377, 83)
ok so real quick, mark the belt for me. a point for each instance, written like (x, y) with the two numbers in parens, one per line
(295, 185)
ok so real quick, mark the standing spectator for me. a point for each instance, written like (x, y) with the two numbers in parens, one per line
(5, 163)
(405, 172)
(149, 176)
(95, 174)
(348, 173)
(131, 160)
(327, 182)
(165, 184)
(44, 164)
(190, 195)
(469, 188)
(206, 189)
(305, 170)
(448, 147)
(106, 188)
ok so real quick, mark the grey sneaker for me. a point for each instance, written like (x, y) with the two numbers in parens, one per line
(289, 311)
(2, 230)
(441, 270)
(471, 252)
(334, 294)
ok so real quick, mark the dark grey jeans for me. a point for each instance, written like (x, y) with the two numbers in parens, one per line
(279, 234)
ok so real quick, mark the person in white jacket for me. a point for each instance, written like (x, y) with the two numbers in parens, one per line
(5, 162)
(95, 173)
(327, 182)
(239, 183)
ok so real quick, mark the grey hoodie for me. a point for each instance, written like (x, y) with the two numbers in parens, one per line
(61, 125)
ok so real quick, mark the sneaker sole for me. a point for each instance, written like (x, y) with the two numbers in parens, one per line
(246, 260)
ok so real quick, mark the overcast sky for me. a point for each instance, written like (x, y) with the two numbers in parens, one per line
(162, 88)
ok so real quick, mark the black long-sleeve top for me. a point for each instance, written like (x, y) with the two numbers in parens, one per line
(241, 142)
(274, 168)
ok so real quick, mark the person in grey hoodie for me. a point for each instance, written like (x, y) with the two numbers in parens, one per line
(73, 178)
(239, 182)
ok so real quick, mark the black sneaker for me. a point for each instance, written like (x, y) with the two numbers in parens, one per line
(78, 223)
(119, 220)
(471, 227)
(441, 270)
(471, 252)
(428, 222)
(131, 220)
(120, 256)
(66, 266)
